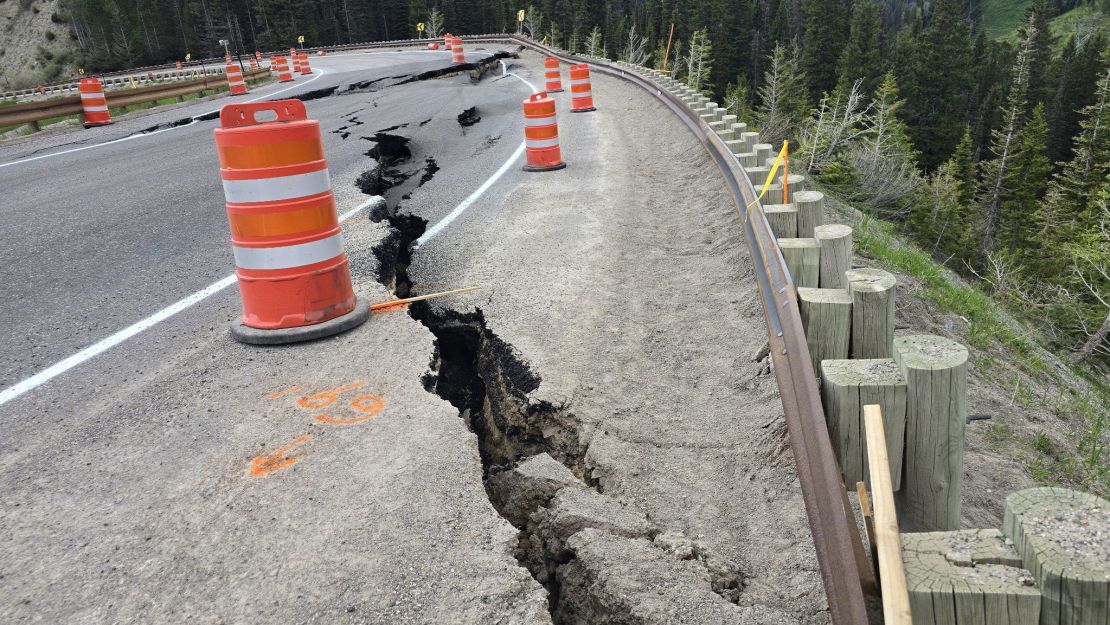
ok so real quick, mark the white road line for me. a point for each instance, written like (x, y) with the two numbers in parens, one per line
(158, 132)
(430, 233)
(60, 367)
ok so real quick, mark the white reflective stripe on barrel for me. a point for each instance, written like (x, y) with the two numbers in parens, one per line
(533, 122)
(279, 188)
(580, 81)
(91, 108)
(99, 95)
(542, 143)
(288, 256)
(581, 94)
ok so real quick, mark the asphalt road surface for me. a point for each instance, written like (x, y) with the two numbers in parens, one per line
(602, 446)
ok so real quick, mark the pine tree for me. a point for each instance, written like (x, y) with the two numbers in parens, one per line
(824, 40)
(997, 172)
(964, 169)
(1028, 181)
(863, 55)
(935, 83)
(699, 61)
(738, 99)
(782, 95)
(886, 134)
(1077, 74)
(1037, 16)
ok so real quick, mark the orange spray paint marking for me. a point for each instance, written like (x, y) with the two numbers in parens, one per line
(283, 393)
(266, 464)
(323, 399)
(369, 405)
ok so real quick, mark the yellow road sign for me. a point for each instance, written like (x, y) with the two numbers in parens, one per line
(520, 15)
(300, 38)
(81, 70)
(188, 57)
(420, 26)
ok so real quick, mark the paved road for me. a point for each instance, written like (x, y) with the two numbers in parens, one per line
(180, 476)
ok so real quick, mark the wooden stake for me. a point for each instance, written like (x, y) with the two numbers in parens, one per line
(667, 54)
(419, 298)
(892, 572)
(868, 521)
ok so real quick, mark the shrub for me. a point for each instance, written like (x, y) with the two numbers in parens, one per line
(50, 35)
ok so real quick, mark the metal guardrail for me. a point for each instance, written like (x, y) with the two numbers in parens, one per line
(834, 531)
(33, 112)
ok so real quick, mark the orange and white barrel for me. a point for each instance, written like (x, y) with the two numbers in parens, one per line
(321, 53)
(296, 60)
(93, 103)
(581, 97)
(306, 68)
(541, 134)
(448, 39)
(254, 63)
(554, 83)
(258, 56)
(227, 58)
(281, 66)
(433, 46)
(457, 50)
(178, 64)
(289, 258)
(235, 82)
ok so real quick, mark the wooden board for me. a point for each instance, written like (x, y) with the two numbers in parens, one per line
(892, 574)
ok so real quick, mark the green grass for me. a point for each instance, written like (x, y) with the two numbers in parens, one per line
(1002, 17)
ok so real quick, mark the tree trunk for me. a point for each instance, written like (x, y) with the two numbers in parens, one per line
(1096, 339)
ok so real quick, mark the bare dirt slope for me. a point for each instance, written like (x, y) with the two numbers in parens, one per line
(25, 45)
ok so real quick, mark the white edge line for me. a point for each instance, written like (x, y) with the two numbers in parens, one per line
(430, 233)
(158, 132)
(104, 345)
(60, 367)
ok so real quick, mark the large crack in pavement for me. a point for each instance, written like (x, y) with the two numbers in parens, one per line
(572, 536)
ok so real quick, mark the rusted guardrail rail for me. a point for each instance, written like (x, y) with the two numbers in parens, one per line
(34, 112)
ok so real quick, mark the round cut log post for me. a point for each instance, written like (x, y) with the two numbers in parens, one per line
(836, 253)
(803, 260)
(747, 159)
(846, 387)
(872, 312)
(750, 138)
(758, 176)
(968, 577)
(1063, 537)
(827, 320)
(783, 219)
(811, 211)
(935, 370)
(797, 185)
(763, 151)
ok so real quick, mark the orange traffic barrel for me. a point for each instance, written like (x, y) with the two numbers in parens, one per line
(258, 56)
(581, 98)
(551, 73)
(321, 53)
(281, 66)
(293, 274)
(254, 63)
(235, 82)
(433, 46)
(541, 134)
(227, 58)
(93, 103)
(178, 64)
(305, 67)
(457, 50)
(296, 59)
(448, 39)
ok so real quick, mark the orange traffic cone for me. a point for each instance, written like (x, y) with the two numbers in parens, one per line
(581, 98)
(294, 276)
(541, 134)
(551, 73)
(93, 103)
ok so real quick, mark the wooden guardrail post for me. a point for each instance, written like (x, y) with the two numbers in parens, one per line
(811, 211)
(783, 219)
(1062, 537)
(847, 386)
(935, 370)
(836, 253)
(872, 312)
(803, 260)
(827, 318)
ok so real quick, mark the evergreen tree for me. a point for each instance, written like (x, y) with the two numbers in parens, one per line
(1041, 78)
(935, 82)
(864, 53)
(1077, 74)
(1028, 181)
(886, 135)
(998, 172)
(782, 95)
(825, 36)
(964, 169)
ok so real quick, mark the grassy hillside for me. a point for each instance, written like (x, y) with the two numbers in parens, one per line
(1001, 19)
(35, 44)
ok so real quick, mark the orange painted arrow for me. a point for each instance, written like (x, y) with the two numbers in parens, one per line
(266, 464)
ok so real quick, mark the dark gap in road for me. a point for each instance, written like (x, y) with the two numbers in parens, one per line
(315, 94)
(469, 117)
(430, 169)
(478, 69)
(388, 152)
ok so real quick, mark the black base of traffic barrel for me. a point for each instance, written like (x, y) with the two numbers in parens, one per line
(583, 110)
(548, 168)
(553, 90)
(331, 327)
(94, 125)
